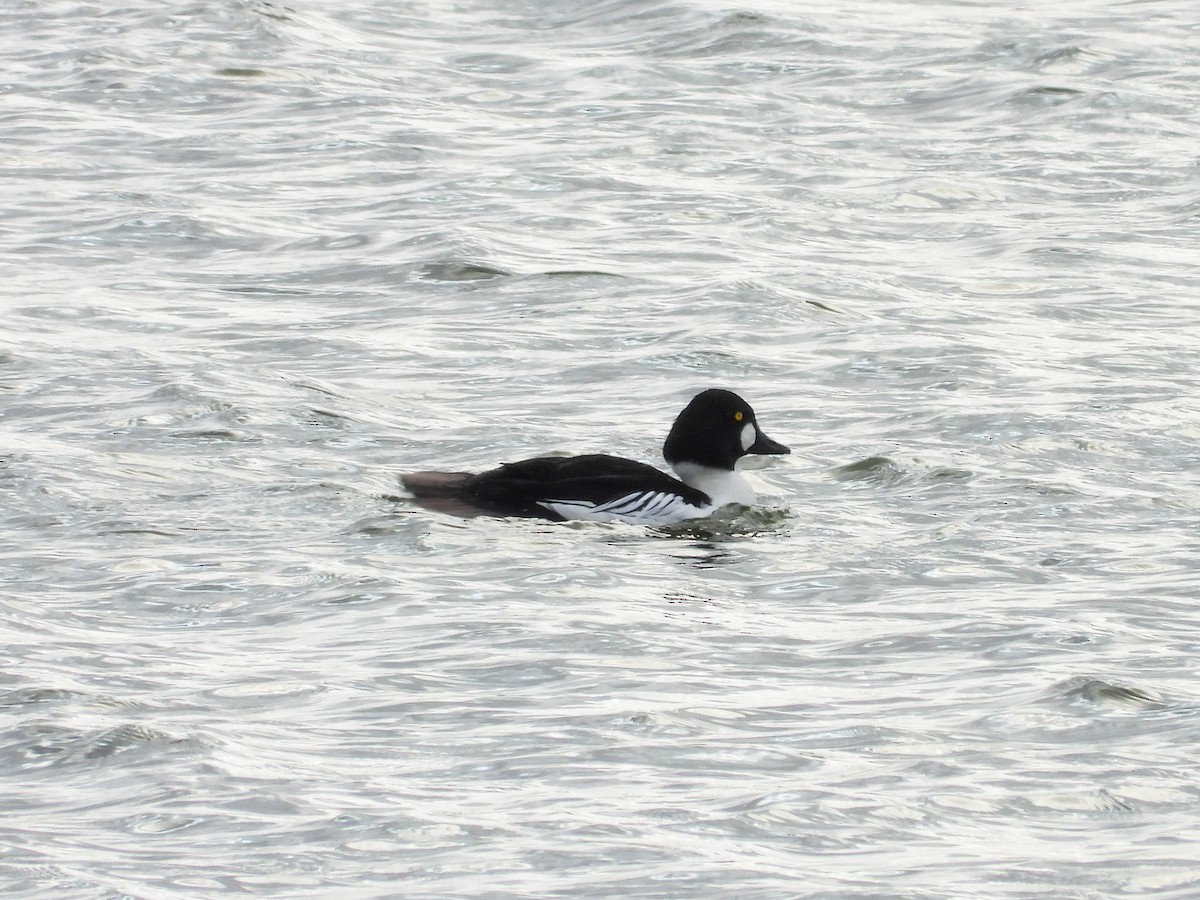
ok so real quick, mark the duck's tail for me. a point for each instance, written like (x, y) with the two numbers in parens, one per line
(435, 484)
(444, 492)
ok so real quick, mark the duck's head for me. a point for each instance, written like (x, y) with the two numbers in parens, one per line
(715, 430)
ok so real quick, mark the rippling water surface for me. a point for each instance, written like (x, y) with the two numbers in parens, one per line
(259, 258)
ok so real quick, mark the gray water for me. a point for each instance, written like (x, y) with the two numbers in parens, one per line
(259, 258)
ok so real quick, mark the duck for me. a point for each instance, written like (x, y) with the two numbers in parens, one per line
(714, 431)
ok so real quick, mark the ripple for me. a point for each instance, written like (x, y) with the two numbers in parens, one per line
(1105, 695)
(462, 271)
(270, 256)
(62, 748)
(878, 469)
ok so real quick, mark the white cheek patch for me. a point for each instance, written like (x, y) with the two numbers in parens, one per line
(749, 435)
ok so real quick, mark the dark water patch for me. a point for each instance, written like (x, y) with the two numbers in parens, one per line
(1048, 490)
(309, 384)
(132, 528)
(1080, 711)
(122, 739)
(1102, 695)
(34, 697)
(1047, 95)
(461, 271)
(324, 418)
(824, 307)
(1096, 802)
(874, 469)
(266, 290)
(241, 73)
(1057, 56)
(579, 273)
(275, 11)
(46, 746)
(949, 473)
(219, 435)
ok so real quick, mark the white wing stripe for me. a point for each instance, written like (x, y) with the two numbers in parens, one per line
(643, 508)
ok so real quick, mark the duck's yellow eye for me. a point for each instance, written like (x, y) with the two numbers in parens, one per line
(738, 416)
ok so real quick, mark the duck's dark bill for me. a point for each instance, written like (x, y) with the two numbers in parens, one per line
(767, 446)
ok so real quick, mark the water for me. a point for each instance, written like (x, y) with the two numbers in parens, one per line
(259, 258)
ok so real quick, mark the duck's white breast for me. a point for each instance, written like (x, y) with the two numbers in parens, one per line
(722, 485)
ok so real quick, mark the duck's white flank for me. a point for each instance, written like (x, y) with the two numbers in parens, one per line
(642, 508)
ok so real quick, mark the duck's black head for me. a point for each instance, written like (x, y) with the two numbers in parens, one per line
(716, 430)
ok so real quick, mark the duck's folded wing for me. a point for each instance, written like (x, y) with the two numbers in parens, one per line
(594, 487)
(639, 508)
